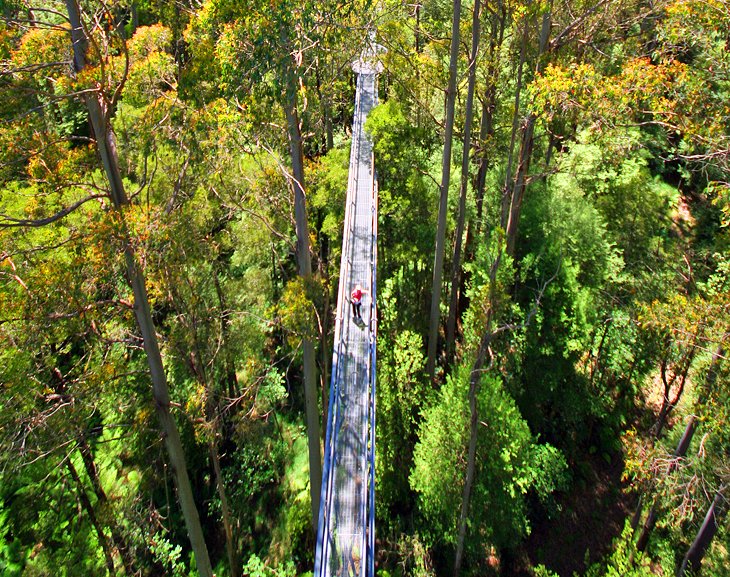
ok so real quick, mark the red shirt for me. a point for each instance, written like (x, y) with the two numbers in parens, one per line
(356, 295)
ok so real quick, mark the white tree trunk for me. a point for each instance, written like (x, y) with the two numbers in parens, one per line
(438, 263)
(106, 145)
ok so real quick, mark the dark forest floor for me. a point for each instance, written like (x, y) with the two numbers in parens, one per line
(591, 516)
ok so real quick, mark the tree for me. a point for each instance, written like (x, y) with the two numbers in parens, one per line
(693, 557)
(99, 116)
(263, 52)
(466, 149)
(438, 261)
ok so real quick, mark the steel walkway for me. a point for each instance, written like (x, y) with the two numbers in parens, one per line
(346, 529)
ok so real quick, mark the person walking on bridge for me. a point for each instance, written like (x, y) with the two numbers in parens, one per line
(356, 300)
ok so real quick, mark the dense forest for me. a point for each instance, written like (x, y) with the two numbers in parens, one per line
(554, 284)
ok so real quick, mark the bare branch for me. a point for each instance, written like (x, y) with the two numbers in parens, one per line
(11, 222)
(30, 68)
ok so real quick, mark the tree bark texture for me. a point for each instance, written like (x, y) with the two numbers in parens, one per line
(489, 105)
(438, 261)
(225, 510)
(102, 501)
(86, 504)
(461, 217)
(679, 372)
(679, 452)
(506, 198)
(693, 559)
(474, 378)
(230, 365)
(517, 195)
(106, 146)
(305, 270)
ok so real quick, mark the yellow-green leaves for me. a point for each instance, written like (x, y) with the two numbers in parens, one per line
(296, 309)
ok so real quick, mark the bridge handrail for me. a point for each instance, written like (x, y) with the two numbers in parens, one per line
(342, 316)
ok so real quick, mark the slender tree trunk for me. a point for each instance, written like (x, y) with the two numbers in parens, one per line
(225, 321)
(86, 504)
(527, 142)
(486, 129)
(486, 132)
(326, 356)
(305, 270)
(515, 127)
(197, 364)
(682, 447)
(106, 145)
(679, 452)
(444, 195)
(636, 517)
(102, 501)
(520, 185)
(512, 205)
(325, 108)
(134, 18)
(474, 379)
(596, 360)
(693, 559)
(466, 149)
(225, 509)
(668, 404)
(489, 105)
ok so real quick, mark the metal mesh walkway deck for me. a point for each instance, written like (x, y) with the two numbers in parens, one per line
(346, 539)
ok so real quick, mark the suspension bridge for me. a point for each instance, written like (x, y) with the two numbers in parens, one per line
(346, 528)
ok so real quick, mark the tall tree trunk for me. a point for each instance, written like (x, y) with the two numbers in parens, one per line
(134, 18)
(486, 132)
(102, 501)
(230, 366)
(515, 128)
(197, 364)
(326, 355)
(225, 509)
(325, 110)
(520, 184)
(474, 379)
(527, 141)
(305, 270)
(466, 149)
(86, 504)
(679, 452)
(444, 195)
(682, 447)
(106, 146)
(679, 373)
(489, 105)
(485, 123)
(693, 559)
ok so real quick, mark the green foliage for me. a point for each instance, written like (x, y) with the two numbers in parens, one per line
(152, 69)
(406, 196)
(298, 316)
(288, 538)
(509, 464)
(413, 557)
(12, 557)
(625, 268)
(625, 560)
(542, 571)
(255, 567)
(329, 187)
(402, 395)
(168, 556)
